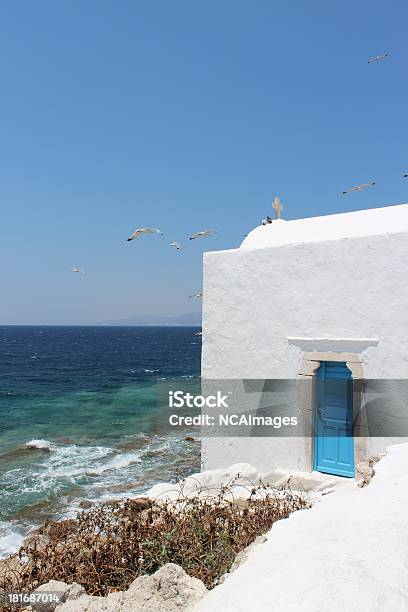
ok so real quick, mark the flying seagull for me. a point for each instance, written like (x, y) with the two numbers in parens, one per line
(199, 333)
(176, 245)
(377, 58)
(78, 270)
(202, 234)
(144, 230)
(358, 187)
(195, 295)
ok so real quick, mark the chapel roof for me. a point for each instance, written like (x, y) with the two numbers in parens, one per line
(360, 223)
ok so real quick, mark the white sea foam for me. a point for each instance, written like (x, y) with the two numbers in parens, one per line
(122, 461)
(10, 540)
(41, 444)
(94, 468)
(119, 462)
(72, 461)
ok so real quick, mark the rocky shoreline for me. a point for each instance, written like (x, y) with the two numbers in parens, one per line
(227, 508)
(172, 581)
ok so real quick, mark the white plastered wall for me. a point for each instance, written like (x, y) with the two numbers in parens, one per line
(260, 305)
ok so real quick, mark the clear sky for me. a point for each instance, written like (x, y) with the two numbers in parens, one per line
(182, 115)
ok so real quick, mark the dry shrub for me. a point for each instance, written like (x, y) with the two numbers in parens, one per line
(110, 545)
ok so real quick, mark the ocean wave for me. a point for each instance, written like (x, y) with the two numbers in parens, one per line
(62, 464)
(41, 445)
(10, 539)
(65, 463)
(119, 462)
(14, 394)
(71, 472)
(72, 461)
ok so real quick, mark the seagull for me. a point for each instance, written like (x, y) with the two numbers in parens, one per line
(144, 230)
(202, 234)
(199, 334)
(358, 187)
(377, 58)
(405, 176)
(78, 270)
(267, 220)
(195, 295)
(176, 245)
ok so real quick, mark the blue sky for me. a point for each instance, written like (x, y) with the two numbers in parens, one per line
(186, 116)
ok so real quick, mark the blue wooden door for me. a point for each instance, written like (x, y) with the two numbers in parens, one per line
(334, 440)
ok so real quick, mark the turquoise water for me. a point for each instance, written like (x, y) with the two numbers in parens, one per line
(83, 415)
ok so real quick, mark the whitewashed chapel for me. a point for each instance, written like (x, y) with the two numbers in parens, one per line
(322, 297)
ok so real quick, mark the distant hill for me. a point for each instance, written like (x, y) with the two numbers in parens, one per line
(191, 318)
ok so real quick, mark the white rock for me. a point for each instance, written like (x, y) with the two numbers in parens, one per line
(240, 476)
(169, 589)
(62, 589)
(164, 491)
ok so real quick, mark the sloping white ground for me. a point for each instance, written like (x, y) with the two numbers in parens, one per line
(349, 552)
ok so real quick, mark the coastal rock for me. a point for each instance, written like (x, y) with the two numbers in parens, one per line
(37, 542)
(140, 503)
(10, 570)
(85, 504)
(40, 445)
(164, 491)
(365, 470)
(113, 502)
(239, 474)
(64, 591)
(170, 589)
(54, 528)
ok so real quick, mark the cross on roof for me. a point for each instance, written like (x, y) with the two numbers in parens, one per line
(278, 207)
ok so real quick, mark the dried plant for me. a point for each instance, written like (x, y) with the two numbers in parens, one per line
(110, 545)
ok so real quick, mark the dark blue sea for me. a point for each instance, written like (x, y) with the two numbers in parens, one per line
(83, 417)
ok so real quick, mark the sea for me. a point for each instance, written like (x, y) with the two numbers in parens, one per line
(84, 416)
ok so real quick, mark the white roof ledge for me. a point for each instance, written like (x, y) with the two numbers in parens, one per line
(371, 222)
(333, 344)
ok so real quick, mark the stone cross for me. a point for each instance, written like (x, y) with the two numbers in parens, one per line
(278, 207)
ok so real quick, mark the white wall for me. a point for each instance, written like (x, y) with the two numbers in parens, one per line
(254, 300)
